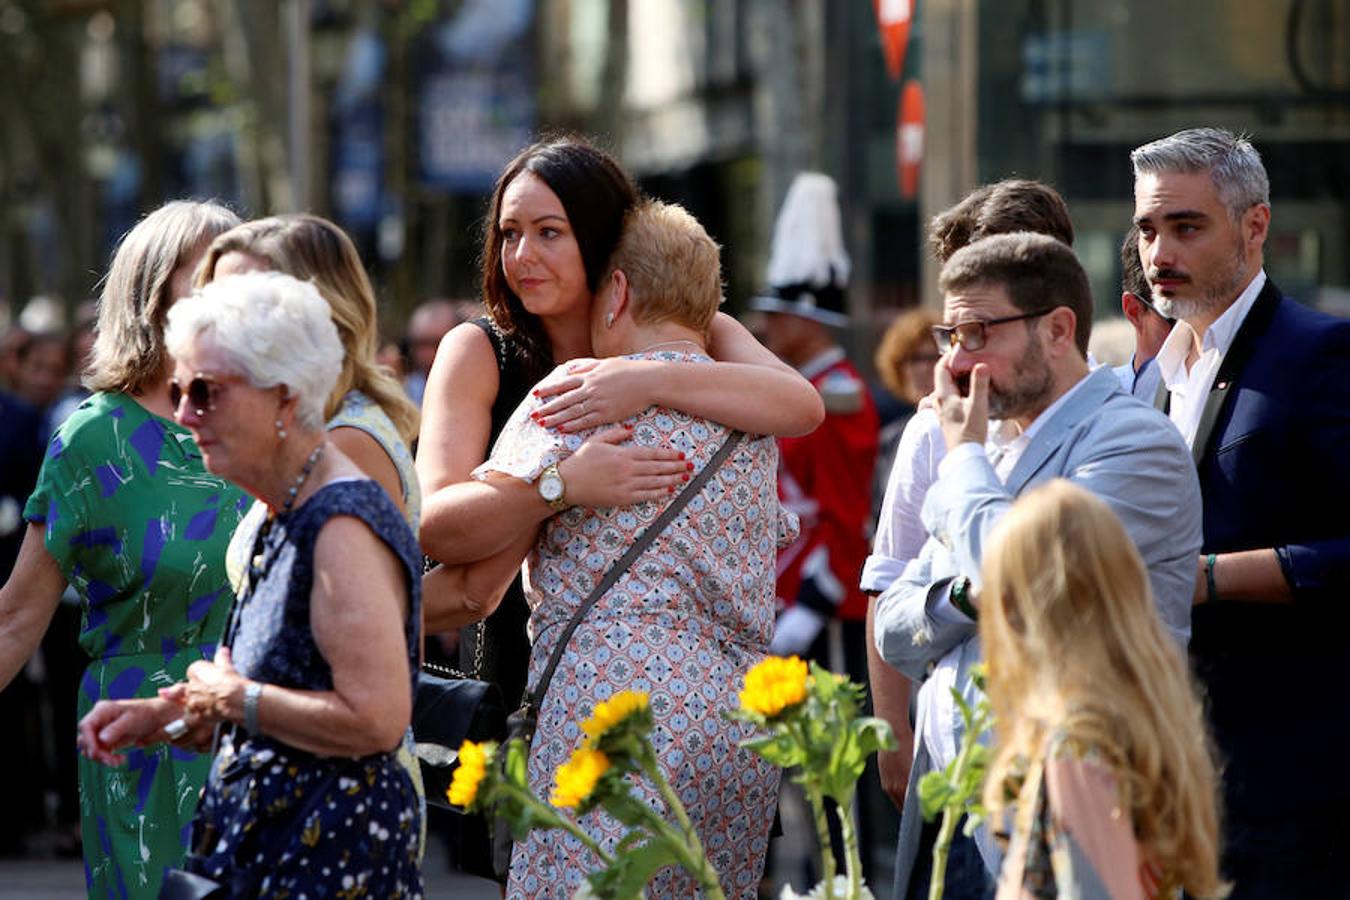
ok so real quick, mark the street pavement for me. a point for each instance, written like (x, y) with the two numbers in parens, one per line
(63, 879)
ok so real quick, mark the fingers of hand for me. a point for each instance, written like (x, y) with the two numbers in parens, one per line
(584, 364)
(611, 436)
(563, 397)
(557, 384)
(944, 383)
(642, 495)
(979, 383)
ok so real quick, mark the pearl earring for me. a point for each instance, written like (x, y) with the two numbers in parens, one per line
(281, 430)
(609, 320)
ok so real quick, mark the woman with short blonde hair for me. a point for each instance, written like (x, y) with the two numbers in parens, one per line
(1102, 758)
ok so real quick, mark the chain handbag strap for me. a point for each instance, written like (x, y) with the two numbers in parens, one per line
(533, 698)
(479, 638)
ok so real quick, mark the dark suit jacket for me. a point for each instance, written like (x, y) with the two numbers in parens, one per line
(1273, 454)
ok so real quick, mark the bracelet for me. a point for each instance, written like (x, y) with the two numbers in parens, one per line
(960, 597)
(1211, 590)
(252, 694)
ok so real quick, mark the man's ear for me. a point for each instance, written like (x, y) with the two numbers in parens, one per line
(1132, 308)
(1062, 324)
(1256, 226)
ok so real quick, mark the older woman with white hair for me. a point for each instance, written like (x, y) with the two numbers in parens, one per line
(313, 684)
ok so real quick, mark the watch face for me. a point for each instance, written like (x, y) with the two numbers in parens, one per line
(550, 487)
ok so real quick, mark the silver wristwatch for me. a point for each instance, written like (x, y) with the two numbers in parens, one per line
(252, 694)
(552, 489)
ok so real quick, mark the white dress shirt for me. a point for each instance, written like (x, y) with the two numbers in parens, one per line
(935, 703)
(1190, 389)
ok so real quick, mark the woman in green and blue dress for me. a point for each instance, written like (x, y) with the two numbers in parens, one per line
(126, 513)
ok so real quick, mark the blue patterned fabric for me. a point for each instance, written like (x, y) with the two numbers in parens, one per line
(290, 821)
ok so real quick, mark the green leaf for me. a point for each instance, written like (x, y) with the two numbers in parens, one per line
(628, 809)
(780, 749)
(967, 714)
(625, 879)
(517, 763)
(635, 868)
(874, 734)
(935, 791)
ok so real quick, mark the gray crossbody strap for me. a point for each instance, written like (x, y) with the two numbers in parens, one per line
(535, 697)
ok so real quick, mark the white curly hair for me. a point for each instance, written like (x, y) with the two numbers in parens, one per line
(274, 329)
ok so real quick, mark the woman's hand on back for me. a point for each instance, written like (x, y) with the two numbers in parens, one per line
(604, 472)
(588, 393)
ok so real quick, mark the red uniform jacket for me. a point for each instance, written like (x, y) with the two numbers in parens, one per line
(826, 478)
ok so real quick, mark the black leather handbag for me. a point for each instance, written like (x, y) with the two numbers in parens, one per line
(451, 708)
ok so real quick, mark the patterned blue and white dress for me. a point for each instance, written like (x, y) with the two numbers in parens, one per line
(286, 822)
(686, 621)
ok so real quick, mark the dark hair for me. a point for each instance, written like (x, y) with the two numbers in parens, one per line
(595, 193)
(1036, 270)
(1132, 277)
(1014, 204)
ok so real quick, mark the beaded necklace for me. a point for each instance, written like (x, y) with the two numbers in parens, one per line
(260, 542)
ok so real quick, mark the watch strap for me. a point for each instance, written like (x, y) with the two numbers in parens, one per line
(252, 694)
(558, 503)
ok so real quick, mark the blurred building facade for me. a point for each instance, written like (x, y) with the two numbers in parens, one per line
(394, 117)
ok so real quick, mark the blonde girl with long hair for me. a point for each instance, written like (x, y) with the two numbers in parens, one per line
(1102, 764)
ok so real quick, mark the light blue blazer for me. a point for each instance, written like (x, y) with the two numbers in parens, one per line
(1116, 446)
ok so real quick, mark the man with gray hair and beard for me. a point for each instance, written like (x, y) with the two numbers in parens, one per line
(1018, 312)
(1260, 388)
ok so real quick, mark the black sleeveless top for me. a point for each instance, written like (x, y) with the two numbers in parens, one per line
(506, 645)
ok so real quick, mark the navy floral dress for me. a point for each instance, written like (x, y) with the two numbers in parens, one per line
(280, 821)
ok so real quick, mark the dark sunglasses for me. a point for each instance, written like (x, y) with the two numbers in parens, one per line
(973, 335)
(201, 393)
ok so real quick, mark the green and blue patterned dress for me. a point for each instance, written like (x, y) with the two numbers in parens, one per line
(139, 528)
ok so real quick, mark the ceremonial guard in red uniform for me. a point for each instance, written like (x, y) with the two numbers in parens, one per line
(824, 477)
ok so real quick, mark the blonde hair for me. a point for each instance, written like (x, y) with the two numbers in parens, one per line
(312, 248)
(1075, 649)
(907, 335)
(673, 267)
(129, 354)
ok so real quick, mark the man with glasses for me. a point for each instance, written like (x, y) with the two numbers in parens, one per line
(1013, 204)
(1260, 388)
(1017, 312)
(1140, 376)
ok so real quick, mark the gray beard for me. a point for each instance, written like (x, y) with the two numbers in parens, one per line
(1215, 300)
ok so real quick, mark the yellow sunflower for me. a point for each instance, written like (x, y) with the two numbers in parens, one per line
(612, 712)
(577, 778)
(473, 762)
(774, 685)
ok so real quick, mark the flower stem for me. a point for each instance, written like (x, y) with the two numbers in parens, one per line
(852, 857)
(953, 811)
(817, 802)
(696, 859)
(941, 848)
(559, 821)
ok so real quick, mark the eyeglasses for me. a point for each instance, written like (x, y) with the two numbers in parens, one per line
(1147, 301)
(202, 392)
(973, 335)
